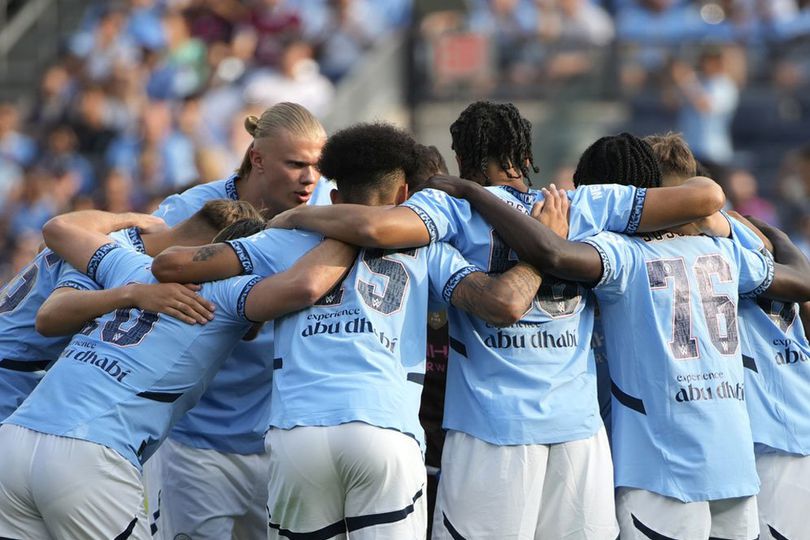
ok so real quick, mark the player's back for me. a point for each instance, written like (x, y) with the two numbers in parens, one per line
(359, 355)
(130, 374)
(776, 355)
(669, 311)
(532, 382)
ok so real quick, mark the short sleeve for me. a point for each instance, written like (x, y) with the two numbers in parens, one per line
(756, 270)
(608, 207)
(173, 210)
(230, 296)
(72, 278)
(442, 214)
(113, 266)
(446, 268)
(273, 250)
(743, 235)
(616, 254)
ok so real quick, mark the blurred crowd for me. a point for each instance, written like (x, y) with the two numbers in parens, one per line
(149, 96)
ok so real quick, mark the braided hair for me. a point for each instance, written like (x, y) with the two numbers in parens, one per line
(487, 131)
(618, 159)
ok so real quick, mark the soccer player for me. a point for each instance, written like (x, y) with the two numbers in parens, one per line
(345, 436)
(216, 474)
(26, 350)
(776, 356)
(521, 407)
(683, 452)
(73, 449)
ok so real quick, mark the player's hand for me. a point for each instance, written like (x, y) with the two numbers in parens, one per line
(452, 185)
(283, 220)
(147, 223)
(553, 210)
(173, 299)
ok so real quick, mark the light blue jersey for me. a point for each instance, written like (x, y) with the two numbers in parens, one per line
(130, 374)
(233, 414)
(669, 311)
(777, 357)
(359, 354)
(533, 382)
(24, 353)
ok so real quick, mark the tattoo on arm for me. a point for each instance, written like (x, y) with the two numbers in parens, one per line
(207, 252)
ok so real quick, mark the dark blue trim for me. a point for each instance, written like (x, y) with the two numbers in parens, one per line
(528, 198)
(242, 255)
(230, 188)
(128, 531)
(71, 284)
(361, 522)
(433, 230)
(278, 363)
(240, 304)
(25, 366)
(635, 212)
(750, 363)
(776, 534)
(607, 268)
(135, 238)
(766, 282)
(418, 378)
(648, 532)
(98, 256)
(627, 400)
(458, 346)
(455, 279)
(163, 397)
(452, 530)
(321, 534)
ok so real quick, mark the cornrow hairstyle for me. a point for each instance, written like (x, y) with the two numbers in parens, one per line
(487, 131)
(291, 117)
(618, 159)
(368, 157)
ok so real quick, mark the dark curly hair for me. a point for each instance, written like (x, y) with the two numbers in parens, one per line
(366, 157)
(429, 163)
(618, 159)
(491, 131)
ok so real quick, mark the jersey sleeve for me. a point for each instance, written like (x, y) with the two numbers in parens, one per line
(756, 270)
(273, 250)
(230, 296)
(442, 214)
(174, 209)
(72, 278)
(113, 266)
(446, 268)
(606, 207)
(616, 254)
(743, 235)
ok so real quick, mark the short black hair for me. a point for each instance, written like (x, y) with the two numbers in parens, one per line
(366, 157)
(618, 159)
(487, 131)
(429, 163)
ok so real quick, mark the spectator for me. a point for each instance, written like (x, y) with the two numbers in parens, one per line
(741, 187)
(273, 23)
(105, 45)
(34, 206)
(56, 90)
(351, 28)
(92, 127)
(14, 146)
(708, 101)
(183, 70)
(63, 161)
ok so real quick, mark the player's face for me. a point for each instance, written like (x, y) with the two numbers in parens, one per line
(287, 166)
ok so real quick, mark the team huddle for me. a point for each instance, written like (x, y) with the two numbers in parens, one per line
(248, 361)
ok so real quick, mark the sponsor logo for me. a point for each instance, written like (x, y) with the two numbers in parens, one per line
(110, 367)
(724, 390)
(538, 340)
(358, 325)
(789, 357)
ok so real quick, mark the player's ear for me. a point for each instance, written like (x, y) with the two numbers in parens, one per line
(335, 196)
(402, 194)
(255, 158)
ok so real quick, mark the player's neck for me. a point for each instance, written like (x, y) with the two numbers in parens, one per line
(249, 191)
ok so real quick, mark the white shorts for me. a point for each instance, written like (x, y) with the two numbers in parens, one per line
(57, 487)
(643, 515)
(532, 491)
(353, 478)
(784, 496)
(153, 485)
(211, 495)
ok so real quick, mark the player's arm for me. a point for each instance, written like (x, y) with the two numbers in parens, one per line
(699, 199)
(534, 242)
(500, 300)
(368, 226)
(791, 270)
(67, 309)
(307, 281)
(804, 313)
(196, 264)
(76, 236)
